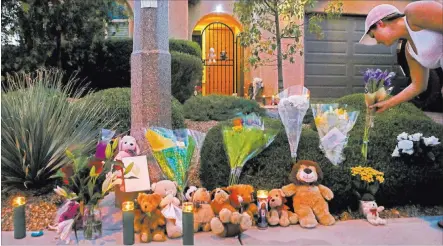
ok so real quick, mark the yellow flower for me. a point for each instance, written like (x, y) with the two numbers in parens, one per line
(319, 121)
(237, 128)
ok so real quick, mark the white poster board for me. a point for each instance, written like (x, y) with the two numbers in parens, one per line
(149, 4)
(138, 178)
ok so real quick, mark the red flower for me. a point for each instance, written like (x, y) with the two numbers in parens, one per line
(98, 164)
(66, 181)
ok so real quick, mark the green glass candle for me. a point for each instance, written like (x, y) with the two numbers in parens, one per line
(188, 223)
(128, 222)
(19, 217)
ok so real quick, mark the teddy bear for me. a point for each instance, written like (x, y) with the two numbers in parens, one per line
(211, 55)
(371, 210)
(309, 196)
(242, 198)
(229, 222)
(202, 210)
(127, 147)
(279, 213)
(148, 220)
(170, 206)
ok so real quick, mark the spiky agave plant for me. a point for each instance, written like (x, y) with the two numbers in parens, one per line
(38, 124)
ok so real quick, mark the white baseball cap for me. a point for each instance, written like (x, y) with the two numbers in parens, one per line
(377, 13)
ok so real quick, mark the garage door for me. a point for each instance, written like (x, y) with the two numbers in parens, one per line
(333, 65)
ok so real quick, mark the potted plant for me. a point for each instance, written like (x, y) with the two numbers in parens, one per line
(365, 183)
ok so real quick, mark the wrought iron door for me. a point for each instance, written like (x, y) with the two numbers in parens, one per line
(220, 65)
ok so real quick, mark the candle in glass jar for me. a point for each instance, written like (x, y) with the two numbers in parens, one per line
(262, 197)
(264, 100)
(19, 217)
(128, 222)
(188, 223)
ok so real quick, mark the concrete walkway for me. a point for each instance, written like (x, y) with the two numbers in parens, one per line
(406, 231)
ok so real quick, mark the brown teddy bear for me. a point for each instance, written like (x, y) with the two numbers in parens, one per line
(242, 199)
(202, 210)
(279, 213)
(229, 222)
(149, 221)
(220, 200)
(309, 199)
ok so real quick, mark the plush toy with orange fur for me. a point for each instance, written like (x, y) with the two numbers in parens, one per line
(242, 199)
(279, 213)
(229, 222)
(220, 200)
(149, 221)
(309, 196)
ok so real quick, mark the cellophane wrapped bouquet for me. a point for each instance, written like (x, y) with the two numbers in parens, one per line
(292, 108)
(377, 88)
(333, 126)
(245, 138)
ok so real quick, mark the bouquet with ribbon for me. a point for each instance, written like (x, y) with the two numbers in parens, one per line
(377, 88)
(244, 139)
(333, 125)
(292, 107)
(173, 150)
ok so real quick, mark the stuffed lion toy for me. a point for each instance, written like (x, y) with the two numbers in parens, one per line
(309, 195)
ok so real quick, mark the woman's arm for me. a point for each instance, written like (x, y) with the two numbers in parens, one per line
(419, 83)
(425, 15)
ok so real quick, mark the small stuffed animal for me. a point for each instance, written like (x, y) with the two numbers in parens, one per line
(242, 199)
(220, 200)
(127, 147)
(202, 210)
(211, 56)
(189, 192)
(229, 222)
(310, 196)
(149, 221)
(371, 210)
(279, 213)
(170, 206)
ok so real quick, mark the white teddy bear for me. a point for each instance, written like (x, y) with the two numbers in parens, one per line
(371, 210)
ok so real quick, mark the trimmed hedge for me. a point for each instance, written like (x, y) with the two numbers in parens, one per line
(185, 46)
(219, 107)
(403, 184)
(119, 102)
(187, 70)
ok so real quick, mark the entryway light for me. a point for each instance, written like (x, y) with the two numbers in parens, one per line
(219, 8)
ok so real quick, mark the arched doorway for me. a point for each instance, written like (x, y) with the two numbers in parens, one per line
(222, 54)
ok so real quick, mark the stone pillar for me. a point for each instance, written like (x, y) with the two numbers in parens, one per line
(150, 75)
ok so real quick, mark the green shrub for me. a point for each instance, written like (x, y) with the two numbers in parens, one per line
(186, 71)
(219, 108)
(39, 124)
(403, 183)
(185, 46)
(118, 103)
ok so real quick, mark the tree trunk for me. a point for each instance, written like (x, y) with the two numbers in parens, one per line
(279, 53)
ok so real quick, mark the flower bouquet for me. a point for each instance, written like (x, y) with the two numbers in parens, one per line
(292, 107)
(244, 139)
(87, 181)
(416, 149)
(377, 88)
(365, 184)
(173, 150)
(333, 125)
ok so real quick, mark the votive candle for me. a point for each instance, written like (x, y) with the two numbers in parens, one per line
(128, 222)
(19, 217)
(188, 223)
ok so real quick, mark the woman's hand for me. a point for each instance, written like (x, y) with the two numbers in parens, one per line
(381, 106)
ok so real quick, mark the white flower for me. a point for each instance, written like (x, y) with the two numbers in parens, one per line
(406, 146)
(402, 136)
(396, 153)
(415, 137)
(112, 179)
(64, 229)
(431, 141)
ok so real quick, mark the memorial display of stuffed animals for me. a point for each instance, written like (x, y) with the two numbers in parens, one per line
(279, 213)
(170, 207)
(309, 195)
(148, 220)
(203, 213)
(371, 211)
